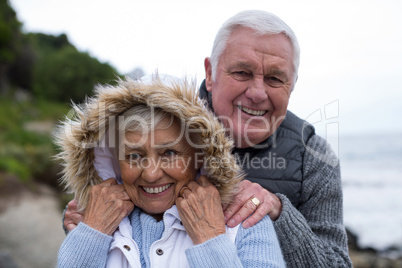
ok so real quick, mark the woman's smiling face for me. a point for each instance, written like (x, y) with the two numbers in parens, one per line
(156, 166)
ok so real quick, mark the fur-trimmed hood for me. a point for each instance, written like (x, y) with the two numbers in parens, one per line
(83, 141)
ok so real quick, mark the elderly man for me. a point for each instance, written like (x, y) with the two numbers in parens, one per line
(292, 174)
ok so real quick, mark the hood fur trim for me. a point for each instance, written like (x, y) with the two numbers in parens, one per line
(77, 137)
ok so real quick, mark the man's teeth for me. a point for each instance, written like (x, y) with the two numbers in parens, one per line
(252, 112)
(156, 190)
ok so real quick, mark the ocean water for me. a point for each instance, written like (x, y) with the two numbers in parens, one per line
(371, 167)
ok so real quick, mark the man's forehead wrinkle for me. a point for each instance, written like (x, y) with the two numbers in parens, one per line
(242, 64)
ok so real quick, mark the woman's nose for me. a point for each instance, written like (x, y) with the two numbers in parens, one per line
(151, 171)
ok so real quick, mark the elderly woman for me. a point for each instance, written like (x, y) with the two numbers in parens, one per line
(151, 169)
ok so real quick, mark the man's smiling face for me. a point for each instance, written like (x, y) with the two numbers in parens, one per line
(254, 79)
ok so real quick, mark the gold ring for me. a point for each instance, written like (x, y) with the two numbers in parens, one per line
(182, 191)
(255, 201)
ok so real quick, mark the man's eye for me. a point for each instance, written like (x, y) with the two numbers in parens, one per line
(241, 75)
(273, 81)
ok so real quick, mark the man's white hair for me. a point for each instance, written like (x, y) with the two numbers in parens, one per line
(262, 23)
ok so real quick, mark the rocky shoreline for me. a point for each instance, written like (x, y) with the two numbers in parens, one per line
(30, 225)
(372, 258)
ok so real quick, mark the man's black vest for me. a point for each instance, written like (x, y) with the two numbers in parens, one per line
(276, 163)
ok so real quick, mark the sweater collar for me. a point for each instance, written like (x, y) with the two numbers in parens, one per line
(171, 219)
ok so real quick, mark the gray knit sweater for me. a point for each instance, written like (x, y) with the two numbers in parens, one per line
(313, 235)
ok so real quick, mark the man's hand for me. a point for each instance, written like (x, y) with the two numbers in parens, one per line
(200, 210)
(108, 204)
(242, 206)
(72, 217)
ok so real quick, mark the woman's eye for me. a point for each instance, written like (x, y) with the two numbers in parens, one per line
(134, 157)
(170, 153)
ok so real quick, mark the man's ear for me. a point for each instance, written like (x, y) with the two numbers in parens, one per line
(294, 84)
(208, 74)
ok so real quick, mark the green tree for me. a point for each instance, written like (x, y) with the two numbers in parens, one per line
(20, 72)
(44, 44)
(61, 72)
(10, 34)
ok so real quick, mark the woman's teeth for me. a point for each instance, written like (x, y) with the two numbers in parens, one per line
(252, 112)
(156, 190)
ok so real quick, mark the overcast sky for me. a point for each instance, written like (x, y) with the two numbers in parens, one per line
(351, 57)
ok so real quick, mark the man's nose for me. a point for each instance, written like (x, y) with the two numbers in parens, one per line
(151, 171)
(256, 90)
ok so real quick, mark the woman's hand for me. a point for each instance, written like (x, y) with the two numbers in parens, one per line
(108, 204)
(201, 211)
(242, 207)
